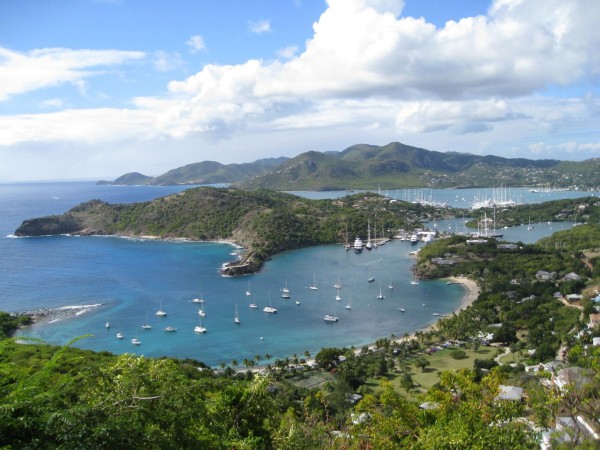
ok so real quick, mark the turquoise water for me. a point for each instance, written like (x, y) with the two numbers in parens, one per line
(129, 280)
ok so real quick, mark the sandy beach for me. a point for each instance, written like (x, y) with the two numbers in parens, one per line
(471, 294)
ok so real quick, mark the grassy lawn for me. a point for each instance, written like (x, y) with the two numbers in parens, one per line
(439, 361)
(511, 358)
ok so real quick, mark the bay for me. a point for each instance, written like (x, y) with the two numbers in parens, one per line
(128, 280)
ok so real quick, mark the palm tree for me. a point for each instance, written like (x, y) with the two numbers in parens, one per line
(306, 354)
(268, 357)
(257, 358)
(234, 363)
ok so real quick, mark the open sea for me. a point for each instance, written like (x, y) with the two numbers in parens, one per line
(124, 282)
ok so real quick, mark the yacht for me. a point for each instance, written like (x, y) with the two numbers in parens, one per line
(136, 341)
(170, 329)
(330, 318)
(414, 238)
(119, 335)
(199, 329)
(358, 245)
(160, 312)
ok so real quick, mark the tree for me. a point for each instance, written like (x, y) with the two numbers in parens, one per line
(421, 362)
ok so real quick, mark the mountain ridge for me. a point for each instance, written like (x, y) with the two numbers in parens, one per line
(394, 165)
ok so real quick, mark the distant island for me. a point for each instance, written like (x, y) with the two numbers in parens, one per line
(391, 166)
(261, 221)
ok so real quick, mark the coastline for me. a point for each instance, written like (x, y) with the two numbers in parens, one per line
(471, 293)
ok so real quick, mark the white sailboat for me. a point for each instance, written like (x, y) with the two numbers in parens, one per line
(371, 277)
(107, 325)
(248, 291)
(380, 296)
(136, 341)
(198, 300)
(119, 335)
(415, 280)
(201, 311)
(313, 286)
(391, 285)
(236, 317)
(200, 328)
(338, 284)
(369, 246)
(269, 309)
(529, 227)
(160, 312)
(285, 292)
(349, 305)
(146, 325)
(338, 296)
(253, 304)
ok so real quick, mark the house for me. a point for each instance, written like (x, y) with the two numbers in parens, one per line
(568, 430)
(543, 275)
(512, 393)
(557, 295)
(574, 297)
(571, 277)
(596, 341)
(574, 376)
(594, 321)
(507, 246)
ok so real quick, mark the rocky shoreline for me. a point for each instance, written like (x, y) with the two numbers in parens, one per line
(50, 315)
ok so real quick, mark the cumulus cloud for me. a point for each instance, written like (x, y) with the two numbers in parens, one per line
(196, 43)
(260, 26)
(368, 67)
(287, 52)
(23, 72)
(165, 61)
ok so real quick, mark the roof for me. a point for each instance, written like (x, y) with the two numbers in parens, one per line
(514, 393)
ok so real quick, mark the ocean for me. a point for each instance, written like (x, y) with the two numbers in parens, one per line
(125, 281)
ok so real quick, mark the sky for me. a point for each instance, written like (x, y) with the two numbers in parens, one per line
(93, 89)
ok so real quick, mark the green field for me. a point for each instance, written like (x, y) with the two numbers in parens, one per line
(439, 361)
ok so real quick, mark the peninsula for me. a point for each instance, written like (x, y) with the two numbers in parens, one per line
(261, 221)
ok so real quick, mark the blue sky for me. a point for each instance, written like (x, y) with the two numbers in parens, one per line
(97, 88)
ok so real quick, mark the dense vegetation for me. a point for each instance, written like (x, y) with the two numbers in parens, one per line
(396, 165)
(391, 166)
(264, 222)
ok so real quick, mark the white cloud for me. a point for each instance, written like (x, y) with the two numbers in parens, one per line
(472, 85)
(287, 52)
(196, 43)
(37, 69)
(53, 103)
(260, 26)
(166, 62)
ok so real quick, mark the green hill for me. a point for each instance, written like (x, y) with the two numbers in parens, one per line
(264, 222)
(397, 165)
(206, 172)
